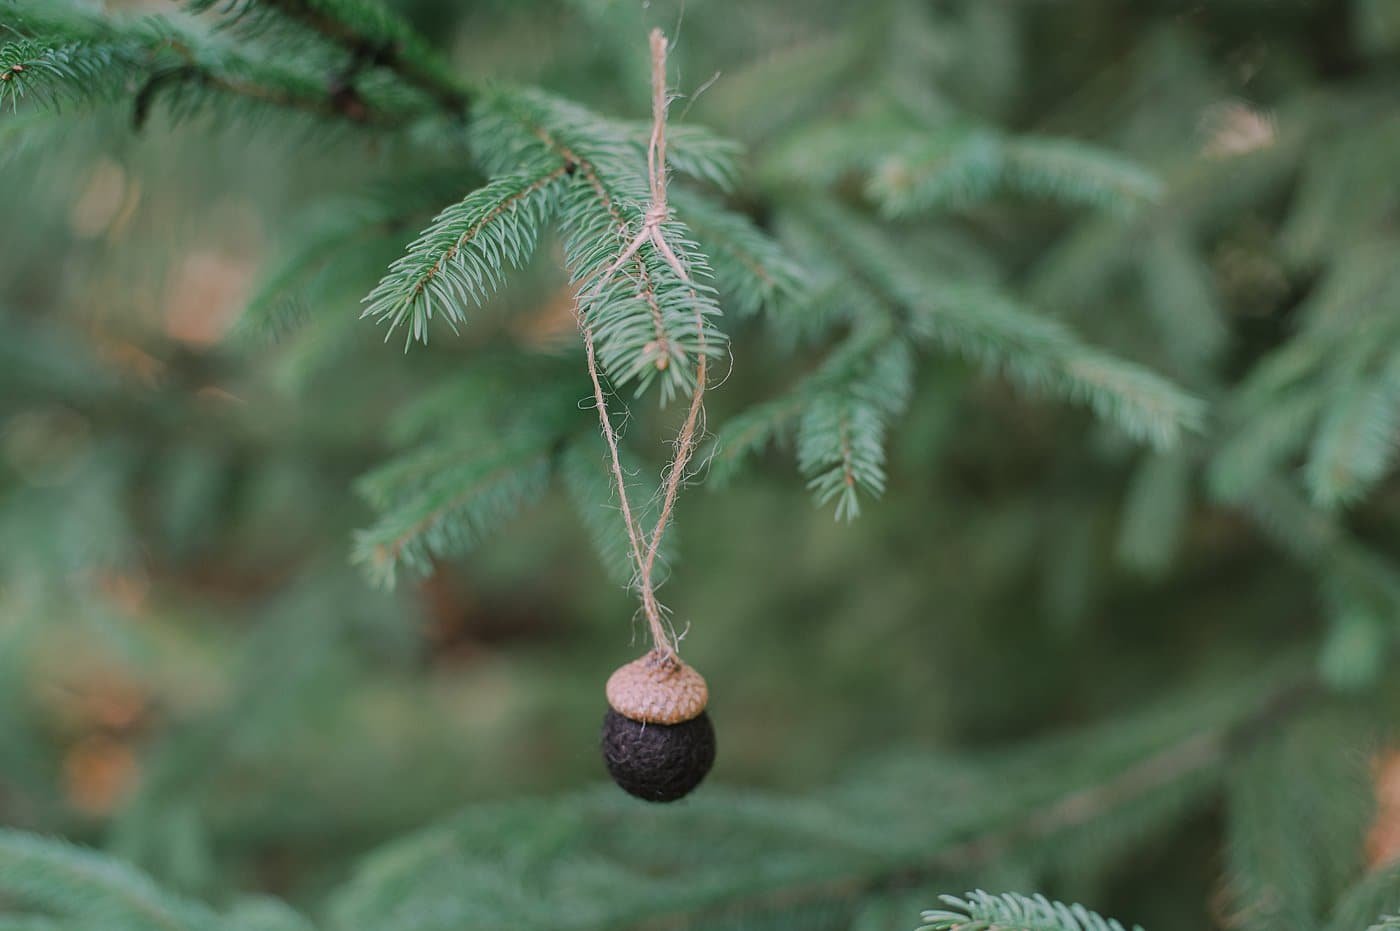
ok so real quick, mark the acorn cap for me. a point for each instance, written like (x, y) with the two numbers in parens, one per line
(657, 689)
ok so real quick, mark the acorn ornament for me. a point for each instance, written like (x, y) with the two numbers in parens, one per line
(658, 742)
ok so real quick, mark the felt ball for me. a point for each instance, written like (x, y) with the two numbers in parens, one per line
(658, 762)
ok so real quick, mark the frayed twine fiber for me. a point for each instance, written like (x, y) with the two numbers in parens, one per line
(643, 547)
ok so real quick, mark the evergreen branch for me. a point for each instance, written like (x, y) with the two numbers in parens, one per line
(841, 438)
(285, 93)
(953, 169)
(989, 328)
(94, 58)
(370, 32)
(650, 328)
(694, 151)
(87, 886)
(751, 270)
(1074, 173)
(51, 74)
(1313, 537)
(1357, 439)
(264, 914)
(611, 865)
(1295, 844)
(333, 246)
(912, 172)
(1375, 893)
(1354, 649)
(460, 257)
(442, 500)
(825, 152)
(1182, 300)
(650, 325)
(1262, 444)
(982, 911)
(1194, 754)
(34, 923)
(471, 465)
(841, 414)
(595, 499)
(279, 302)
(750, 432)
(1155, 512)
(840, 447)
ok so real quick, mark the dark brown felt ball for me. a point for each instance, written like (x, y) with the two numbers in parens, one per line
(658, 762)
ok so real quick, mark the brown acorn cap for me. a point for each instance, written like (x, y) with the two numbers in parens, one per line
(657, 689)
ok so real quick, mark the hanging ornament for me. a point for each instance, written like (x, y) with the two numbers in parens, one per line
(657, 741)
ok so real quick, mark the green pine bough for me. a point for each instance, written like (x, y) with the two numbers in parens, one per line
(980, 911)
(558, 169)
(827, 248)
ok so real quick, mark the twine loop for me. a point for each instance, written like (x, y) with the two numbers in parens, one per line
(643, 547)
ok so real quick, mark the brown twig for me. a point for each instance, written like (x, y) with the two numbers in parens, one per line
(343, 102)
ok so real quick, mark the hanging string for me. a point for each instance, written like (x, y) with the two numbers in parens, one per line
(642, 547)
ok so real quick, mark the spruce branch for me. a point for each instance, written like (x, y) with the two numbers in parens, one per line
(911, 172)
(50, 74)
(280, 301)
(1357, 439)
(650, 323)
(1377, 893)
(461, 256)
(750, 432)
(1294, 844)
(284, 94)
(693, 151)
(751, 269)
(34, 923)
(626, 282)
(1255, 447)
(988, 327)
(1072, 172)
(371, 33)
(840, 415)
(69, 881)
(92, 58)
(982, 911)
(589, 481)
(1156, 509)
(641, 299)
(845, 845)
(841, 437)
(844, 443)
(442, 500)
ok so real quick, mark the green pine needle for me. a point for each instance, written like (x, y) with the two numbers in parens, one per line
(982, 911)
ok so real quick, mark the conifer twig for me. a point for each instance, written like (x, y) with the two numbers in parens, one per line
(412, 68)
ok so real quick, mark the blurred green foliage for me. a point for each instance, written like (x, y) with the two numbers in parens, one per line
(1095, 303)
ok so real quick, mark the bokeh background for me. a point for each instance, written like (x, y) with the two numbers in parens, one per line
(195, 676)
